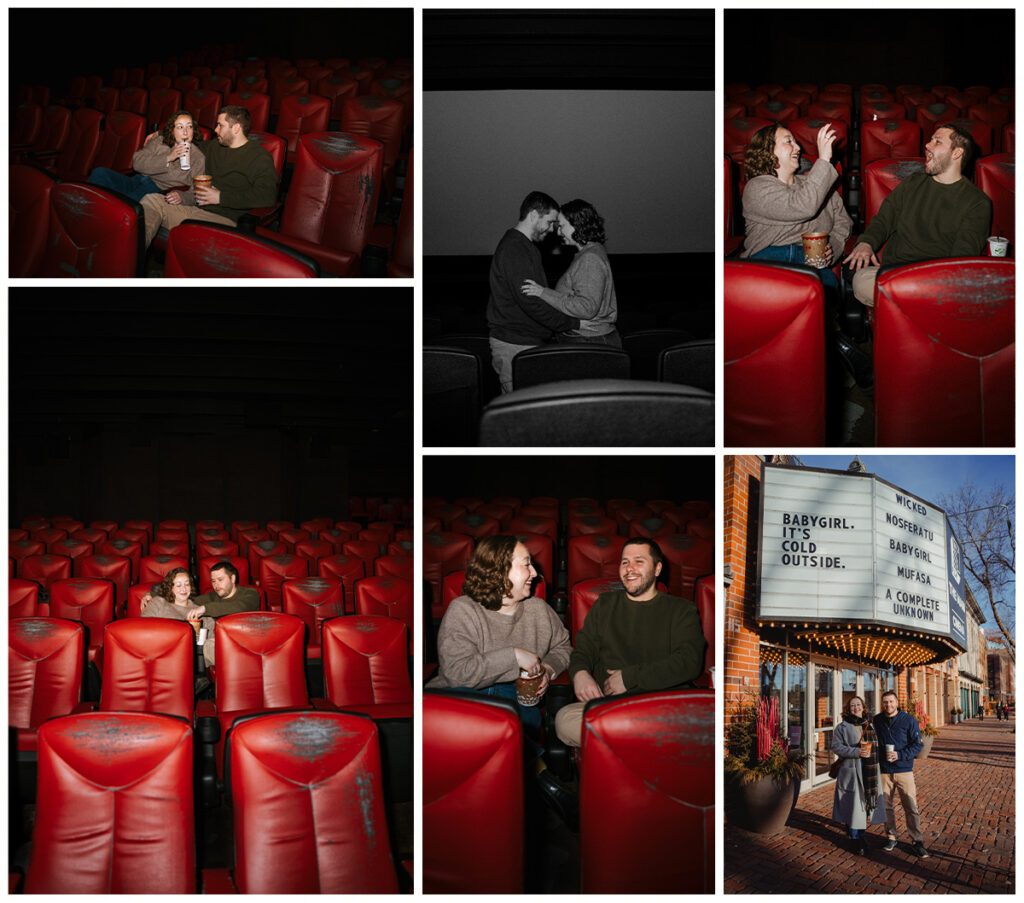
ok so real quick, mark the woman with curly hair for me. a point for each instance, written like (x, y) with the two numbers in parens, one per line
(586, 289)
(158, 169)
(779, 205)
(172, 598)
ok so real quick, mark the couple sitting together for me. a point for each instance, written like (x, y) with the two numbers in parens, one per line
(523, 312)
(243, 172)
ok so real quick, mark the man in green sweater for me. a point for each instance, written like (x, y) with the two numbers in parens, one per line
(244, 177)
(633, 639)
(931, 214)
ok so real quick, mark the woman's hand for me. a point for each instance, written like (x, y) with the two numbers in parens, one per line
(826, 138)
(528, 661)
(532, 288)
(865, 752)
(861, 256)
(549, 675)
(828, 256)
(585, 687)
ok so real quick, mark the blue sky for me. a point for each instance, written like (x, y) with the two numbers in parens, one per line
(932, 476)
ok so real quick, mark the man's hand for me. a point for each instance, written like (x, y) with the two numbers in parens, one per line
(532, 288)
(549, 674)
(150, 137)
(173, 198)
(206, 196)
(862, 256)
(144, 601)
(528, 661)
(585, 687)
(195, 612)
(614, 683)
(892, 756)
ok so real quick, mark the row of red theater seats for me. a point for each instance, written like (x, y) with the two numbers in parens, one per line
(630, 841)
(365, 671)
(943, 373)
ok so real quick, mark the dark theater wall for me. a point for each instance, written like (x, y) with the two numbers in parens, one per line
(190, 405)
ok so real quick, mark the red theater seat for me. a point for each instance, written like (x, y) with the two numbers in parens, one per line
(774, 355)
(995, 115)
(473, 768)
(442, 554)
(130, 550)
(594, 556)
(301, 114)
(389, 597)
(134, 99)
(332, 200)
(147, 667)
(882, 176)
(262, 549)
(90, 601)
(76, 159)
(944, 353)
(214, 548)
(29, 218)
(704, 597)
(115, 568)
(308, 805)
(394, 566)
(241, 564)
(22, 599)
(337, 88)
(647, 792)
(313, 600)
(687, 558)
(204, 105)
(738, 133)
(153, 568)
(995, 176)
(45, 664)
(979, 131)
(114, 811)
(889, 138)
(346, 568)
(94, 233)
(275, 570)
(282, 86)
(123, 134)
(380, 118)
(366, 666)
(45, 569)
(208, 250)
(584, 594)
(401, 266)
(776, 111)
(256, 101)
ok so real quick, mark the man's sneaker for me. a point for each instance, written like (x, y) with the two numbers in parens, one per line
(919, 851)
(890, 845)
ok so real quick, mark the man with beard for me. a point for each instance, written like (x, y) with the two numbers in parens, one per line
(634, 639)
(931, 214)
(899, 732)
(517, 321)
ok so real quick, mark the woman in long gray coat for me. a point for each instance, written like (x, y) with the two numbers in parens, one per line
(858, 801)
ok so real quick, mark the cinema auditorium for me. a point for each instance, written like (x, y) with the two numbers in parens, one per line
(931, 361)
(840, 584)
(644, 774)
(329, 94)
(258, 464)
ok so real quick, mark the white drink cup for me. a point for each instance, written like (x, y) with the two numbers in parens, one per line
(186, 159)
(997, 245)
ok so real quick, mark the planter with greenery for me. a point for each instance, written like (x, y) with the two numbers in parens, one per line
(762, 774)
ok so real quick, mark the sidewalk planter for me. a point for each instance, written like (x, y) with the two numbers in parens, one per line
(762, 806)
(927, 748)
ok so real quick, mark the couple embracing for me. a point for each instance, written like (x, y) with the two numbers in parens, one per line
(522, 311)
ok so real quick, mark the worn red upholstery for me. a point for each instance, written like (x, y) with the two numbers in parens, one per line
(704, 597)
(89, 600)
(153, 568)
(21, 549)
(877, 110)
(204, 105)
(122, 136)
(944, 353)
(308, 806)
(832, 109)
(381, 118)
(147, 667)
(594, 556)
(275, 569)
(401, 265)
(980, 131)
(76, 159)
(687, 558)
(27, 124)
(282, 86)
(256, 101)
(885, 138)
(476, 526)
(290, 536)
(53, 135)
(92, 233)
(738, 133)
(366, 666)
(45, 664)
(114, 811)
(134, 99)
(313, 600)
(995, 176)
(346, 171)
(389, 597)
(314, 550)
(647, 794)
(584, 594)
(22, 598)
(346, 568)
(130, 550)
(29, 208)
(300, 114)
(995, 115)
(261, 549)
(472, 768)
(163, 103)
(45, 569)
(774, 355)
(442, 554)
(213, 548)
(210, 250)
(337, 88)
(776, 111)
(115, 568)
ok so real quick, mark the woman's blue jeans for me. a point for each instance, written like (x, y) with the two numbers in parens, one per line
(135, 187)
(529, 715)
(854, 832)
(794, 254)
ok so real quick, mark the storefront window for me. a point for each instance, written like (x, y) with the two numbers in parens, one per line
(849, 686)
(771, 673)
(824, 718)
(870, 702)
(796, 697)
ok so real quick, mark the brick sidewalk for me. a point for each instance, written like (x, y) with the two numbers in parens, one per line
(965, 791)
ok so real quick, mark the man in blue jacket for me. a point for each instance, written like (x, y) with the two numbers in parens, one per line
(897, 731)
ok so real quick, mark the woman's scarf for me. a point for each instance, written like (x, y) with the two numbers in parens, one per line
(869, 764)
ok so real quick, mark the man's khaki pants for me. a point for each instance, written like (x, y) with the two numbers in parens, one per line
(864, 285)
(902, 783)
(159, 213)
(569, 724)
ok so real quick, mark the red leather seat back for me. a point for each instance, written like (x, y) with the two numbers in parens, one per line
(396, 89)
(283, 85)
(164, 102)
(275, 527)
(776, 111)
(261, 549)
(476, 526)
(885, 138)
(366, 661)
(301, 113)
(913, 99)
(22, 598)
(309, 811)
(591, 525)
(451, 588)
(995, 115)
(593, 557)
(28, 122)
(472, 768)
(346, 568)
(338, 88)
(29, 219)
(134, 99)
(774, 355)
(647, 793)
(208, 250)
(445, 512)
(22, 549)
(313, 600)
(542, 552)
(137, 533)
(54, 133)
(875, 110)
(164, 545)
(702, 528)
(582, 597)
(442, 554)
(221, 82)
(260, 662)
(944, 353)
(275, 569)
(365, 549)
(114, 808)
(313, 550)
(274, 145)
(204, 105)
(86, 599)
(45, 569)
(687, 558)
(115, 568)
(45, 664)
(652, 527)
(705, 600)
(92, 233)
(291, 536)
(130, 550)
(539, 524)
(153, 568)
(216, 548)
(832, 109)
(147, 667)
(241, 564)
(389, 597)
(995, 176)
(738, 133)
(980, 131)
(346, 171)
(76, 160)
(255, 100)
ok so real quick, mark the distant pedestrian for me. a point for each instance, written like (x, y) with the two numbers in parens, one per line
(999, 713)
(857, 802)
(900, 737)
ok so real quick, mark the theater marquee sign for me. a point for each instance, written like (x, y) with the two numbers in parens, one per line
(843, 548)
